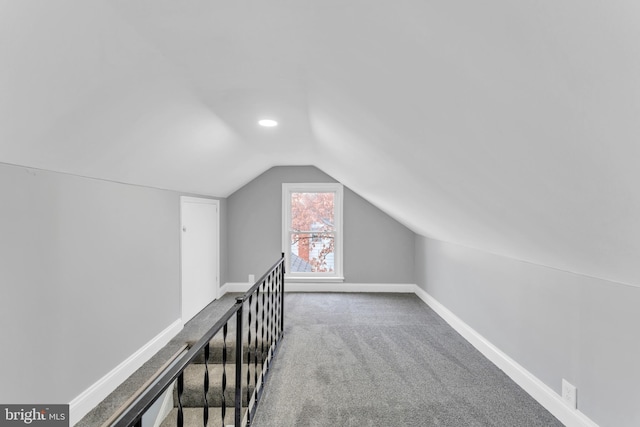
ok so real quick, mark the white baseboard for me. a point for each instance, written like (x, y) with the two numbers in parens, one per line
(328, 287)
(87, 400)
(548, 398)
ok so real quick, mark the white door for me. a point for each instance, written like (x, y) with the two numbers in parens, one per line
(200, 254)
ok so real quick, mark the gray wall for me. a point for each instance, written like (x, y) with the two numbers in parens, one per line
(90, 272)
(554, 323)
(377, 249)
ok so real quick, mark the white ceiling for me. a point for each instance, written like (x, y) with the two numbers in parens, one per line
(512, 127)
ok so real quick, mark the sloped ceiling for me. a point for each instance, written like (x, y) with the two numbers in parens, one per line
(511, 127)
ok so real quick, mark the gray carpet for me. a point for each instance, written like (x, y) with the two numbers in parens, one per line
(384, 360)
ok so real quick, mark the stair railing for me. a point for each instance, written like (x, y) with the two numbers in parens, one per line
(264, 304)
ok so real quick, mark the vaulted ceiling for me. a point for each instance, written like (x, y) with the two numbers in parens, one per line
(511, 127)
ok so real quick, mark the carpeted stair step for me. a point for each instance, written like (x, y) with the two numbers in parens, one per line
(193, 417)
(216, 346)
(193, 393)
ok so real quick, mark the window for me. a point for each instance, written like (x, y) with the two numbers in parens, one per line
(312, 232)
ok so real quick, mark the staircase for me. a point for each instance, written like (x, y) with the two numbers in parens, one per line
(193, 401)
(199, 386)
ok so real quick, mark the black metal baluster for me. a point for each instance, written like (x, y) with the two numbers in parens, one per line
(255, 364)
(262, 356)
(239, 345)
(276, 308)
(205, 409)
(249, 358)
(268, 322)
(180, 418)
(282, 273)
(273, 309)
(280, 299)
(274, 312)
(224, 372)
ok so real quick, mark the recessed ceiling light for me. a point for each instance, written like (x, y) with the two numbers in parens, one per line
(268, 123)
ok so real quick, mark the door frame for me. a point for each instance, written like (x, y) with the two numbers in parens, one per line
(216, 260)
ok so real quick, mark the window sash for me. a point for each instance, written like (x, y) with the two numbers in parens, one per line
(334, 232)
(314, 248)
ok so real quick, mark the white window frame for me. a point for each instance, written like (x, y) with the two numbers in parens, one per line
(287, 189)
